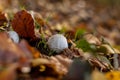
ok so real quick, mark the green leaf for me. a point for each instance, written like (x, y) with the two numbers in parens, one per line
(83, 44)
(86, 46)
(79, 33)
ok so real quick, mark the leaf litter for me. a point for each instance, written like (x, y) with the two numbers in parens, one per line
(91, 51)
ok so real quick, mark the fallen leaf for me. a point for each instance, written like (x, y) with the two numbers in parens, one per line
(9, 73)
(92, 39)
(23, 24)
(96, 75)
(2, 19)
(84, 45)
(30, 52)
(9, 51)
(99, 64)
(44, 67)
(114, 75)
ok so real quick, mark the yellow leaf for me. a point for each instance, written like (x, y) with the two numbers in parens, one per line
(114, 75)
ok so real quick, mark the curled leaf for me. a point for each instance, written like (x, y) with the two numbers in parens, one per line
(23, 24)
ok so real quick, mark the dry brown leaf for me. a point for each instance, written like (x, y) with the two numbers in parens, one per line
(45, 28)
(68, 53)
(99, 64)
(92, 39)
(64, 61)
(9, 51)
(70, 34)
(29, 51)
(2, 19)
(44, 67)
(96, 75)
(9, 72)
(23, 24)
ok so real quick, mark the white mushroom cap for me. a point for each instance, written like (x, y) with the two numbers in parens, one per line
(14, 36)
(57, 43)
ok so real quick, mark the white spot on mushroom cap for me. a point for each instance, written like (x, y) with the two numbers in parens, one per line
(57, 43)
(14, 36)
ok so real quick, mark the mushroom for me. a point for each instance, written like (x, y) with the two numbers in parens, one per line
(57, 43)
(14, 36)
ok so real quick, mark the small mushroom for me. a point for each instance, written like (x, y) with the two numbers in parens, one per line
(57, 43)
(14, 36)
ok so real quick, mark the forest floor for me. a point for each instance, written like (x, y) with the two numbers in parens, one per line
(59, 40)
